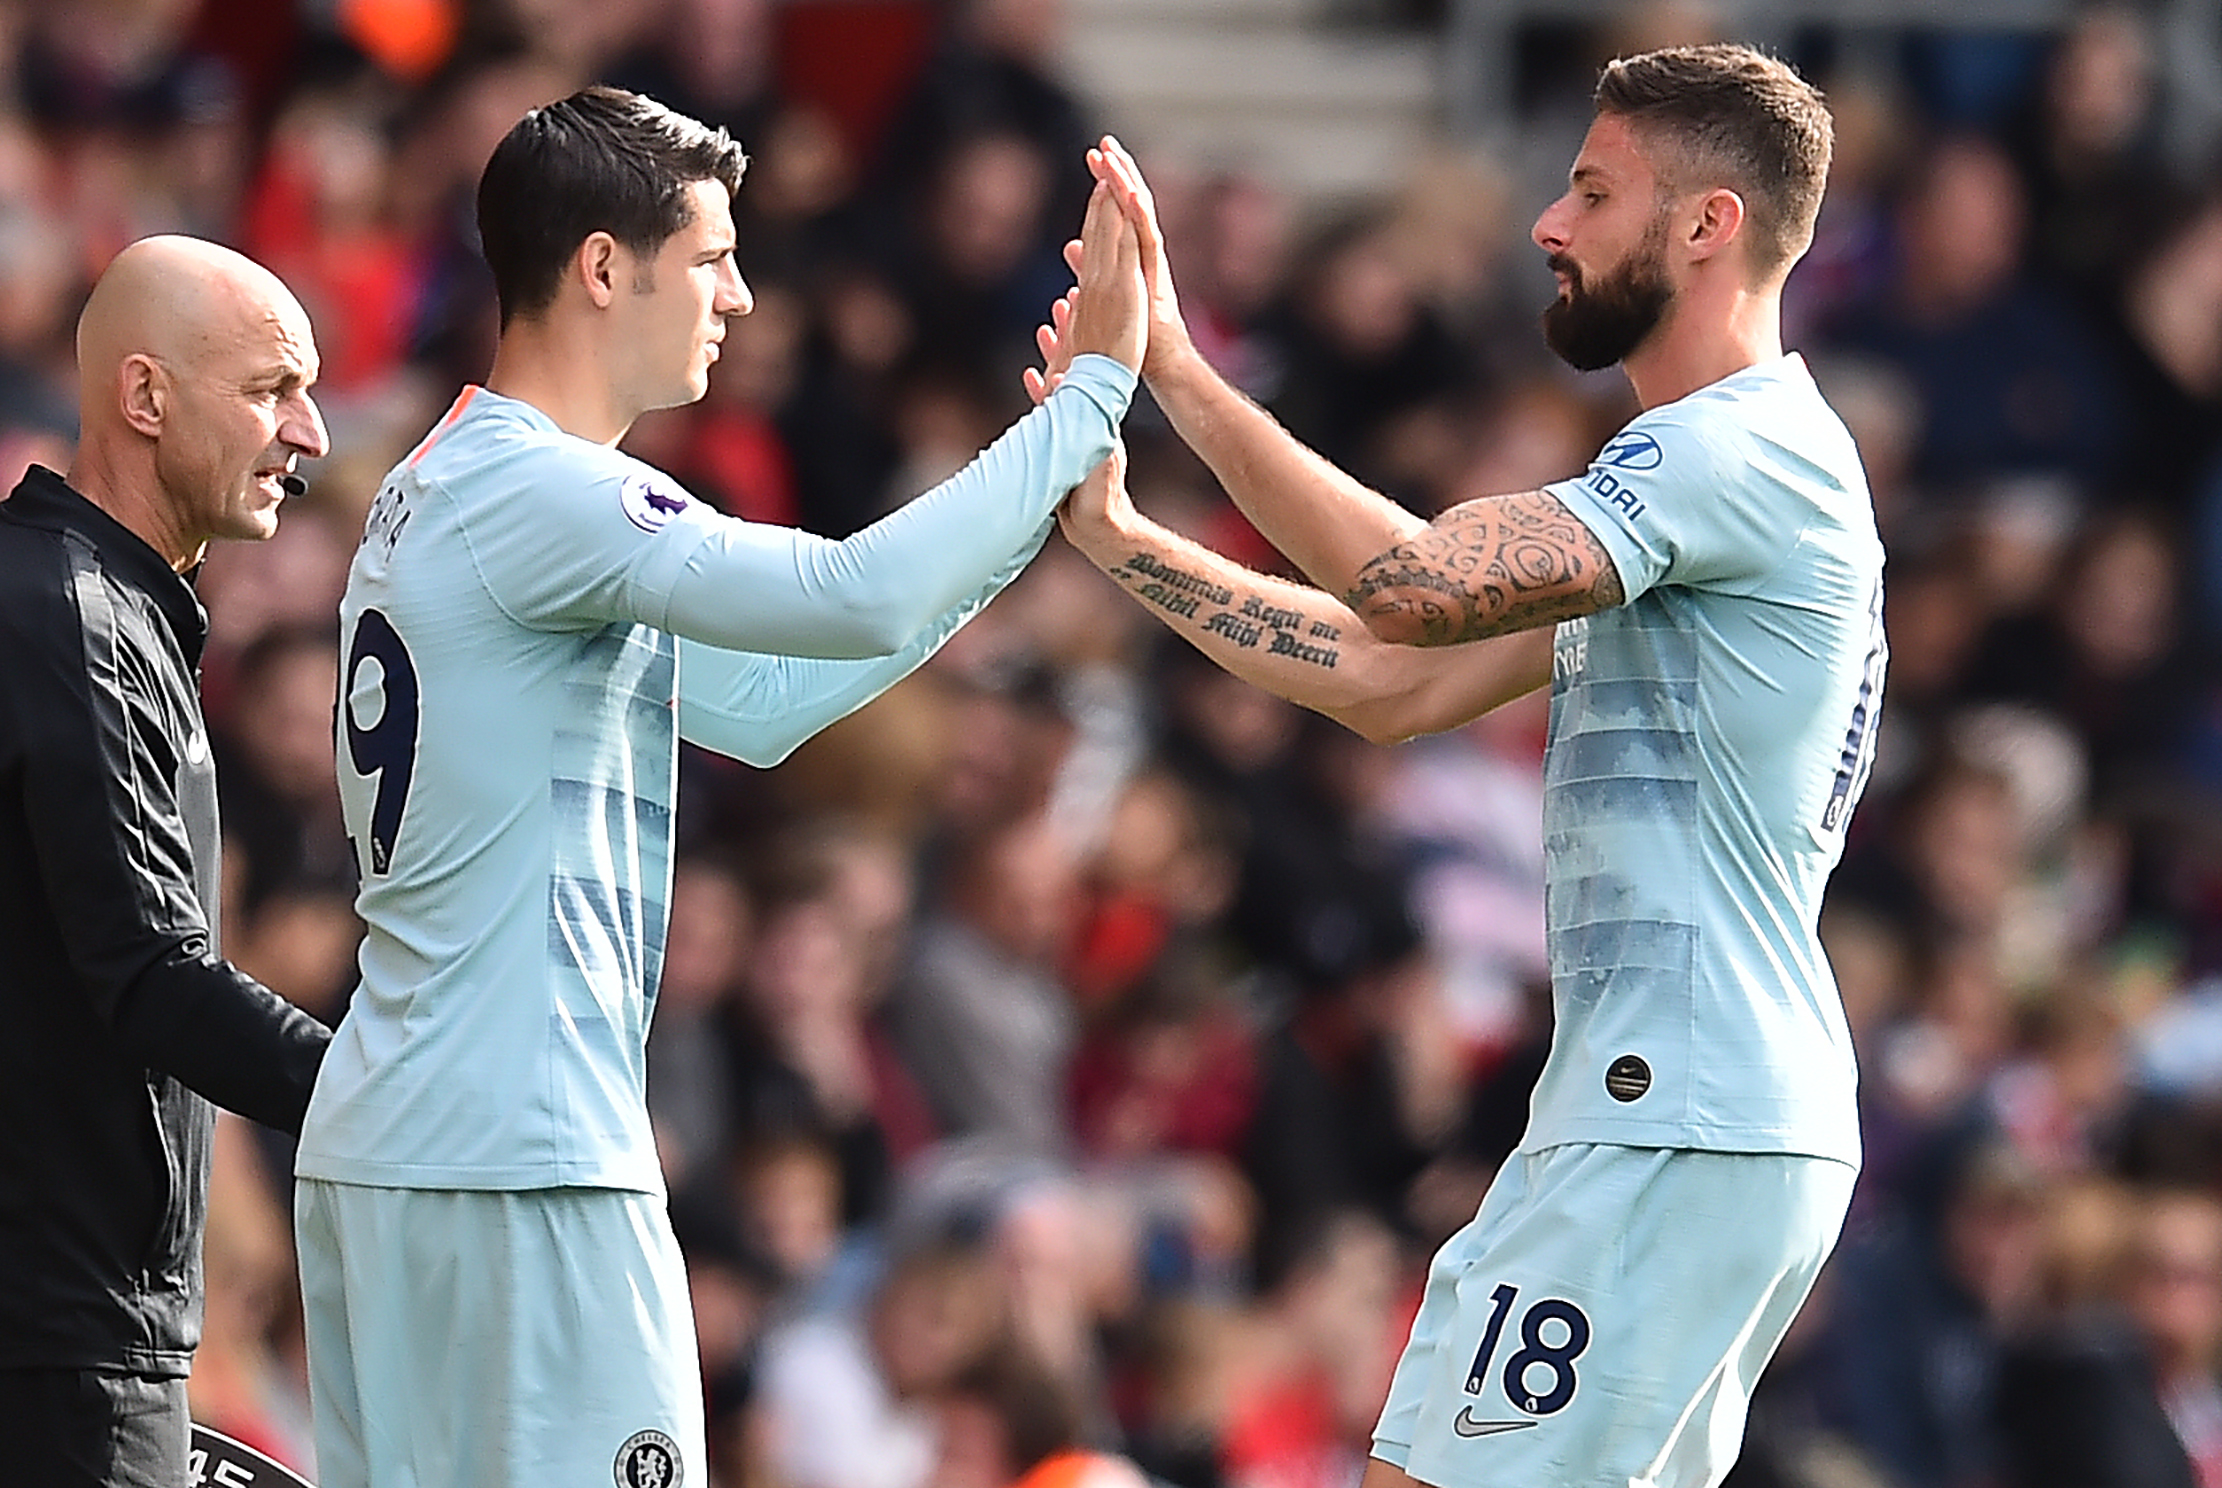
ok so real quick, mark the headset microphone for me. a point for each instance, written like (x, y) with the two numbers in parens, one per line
(293, 485)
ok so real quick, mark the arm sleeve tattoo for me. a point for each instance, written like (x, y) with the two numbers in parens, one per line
(1487, 568)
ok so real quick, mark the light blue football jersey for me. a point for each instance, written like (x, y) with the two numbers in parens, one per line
(1708, 741)
(513, 692)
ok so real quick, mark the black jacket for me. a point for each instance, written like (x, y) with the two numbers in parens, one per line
(2079, 1407)
(115, 1007)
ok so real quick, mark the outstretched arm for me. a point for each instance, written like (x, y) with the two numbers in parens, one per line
(1485, 568)
(761, 707)
(757, 588)
(1295, 642)
(1326, 521)
(752, 587)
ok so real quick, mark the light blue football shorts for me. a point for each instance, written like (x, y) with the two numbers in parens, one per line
(465, 1339)
(1601, 1320)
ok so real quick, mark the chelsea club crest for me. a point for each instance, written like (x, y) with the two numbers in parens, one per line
(649, 1459)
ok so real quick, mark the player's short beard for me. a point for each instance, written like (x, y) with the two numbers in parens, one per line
(1596, 325)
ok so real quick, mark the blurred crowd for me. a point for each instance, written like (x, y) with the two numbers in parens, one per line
(1077, 1044)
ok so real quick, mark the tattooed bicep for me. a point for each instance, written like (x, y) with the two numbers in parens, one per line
(1486, 568)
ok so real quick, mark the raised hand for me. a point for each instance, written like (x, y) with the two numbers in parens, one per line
(1109, 313)
(1114, 167)
(1049, 339)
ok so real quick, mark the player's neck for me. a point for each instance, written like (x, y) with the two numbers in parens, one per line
(549, 364)
(1702, 343)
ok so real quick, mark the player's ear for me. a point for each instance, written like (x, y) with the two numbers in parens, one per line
(596, 267)
(143, 388)
(1717, 222)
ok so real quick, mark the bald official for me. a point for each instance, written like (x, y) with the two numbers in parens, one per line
(193, 368)
(123, 1022)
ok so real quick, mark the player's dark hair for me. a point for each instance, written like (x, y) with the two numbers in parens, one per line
(602, 160)
(1725, 115)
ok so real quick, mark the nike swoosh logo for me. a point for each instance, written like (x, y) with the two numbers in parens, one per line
(1466, 1423)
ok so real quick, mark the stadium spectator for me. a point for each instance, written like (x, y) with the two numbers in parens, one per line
(1925, 1306)
(850, 1395)
(2016, 380)
(805, 1054)
(1009, 1422)
(1361, 352)
(691, 1094)
(982, 1018)
(2175, 1297)
(1329, 1320)
(2082, 1396)
(1360, 1084)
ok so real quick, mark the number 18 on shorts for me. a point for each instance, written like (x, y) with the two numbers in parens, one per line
(1539, 1377)
(1602, 1319)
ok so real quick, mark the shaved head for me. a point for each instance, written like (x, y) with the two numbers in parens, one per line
(176, 299)
(194, 364)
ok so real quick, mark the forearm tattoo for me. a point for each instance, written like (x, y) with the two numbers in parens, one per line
(1512, 563)
(1246, 620)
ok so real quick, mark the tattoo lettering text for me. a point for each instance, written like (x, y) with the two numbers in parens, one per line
(1148, 567)
(1265, 614)
(1246, 621)
(1236, 629)
(1285, 644)
(1184, 605)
